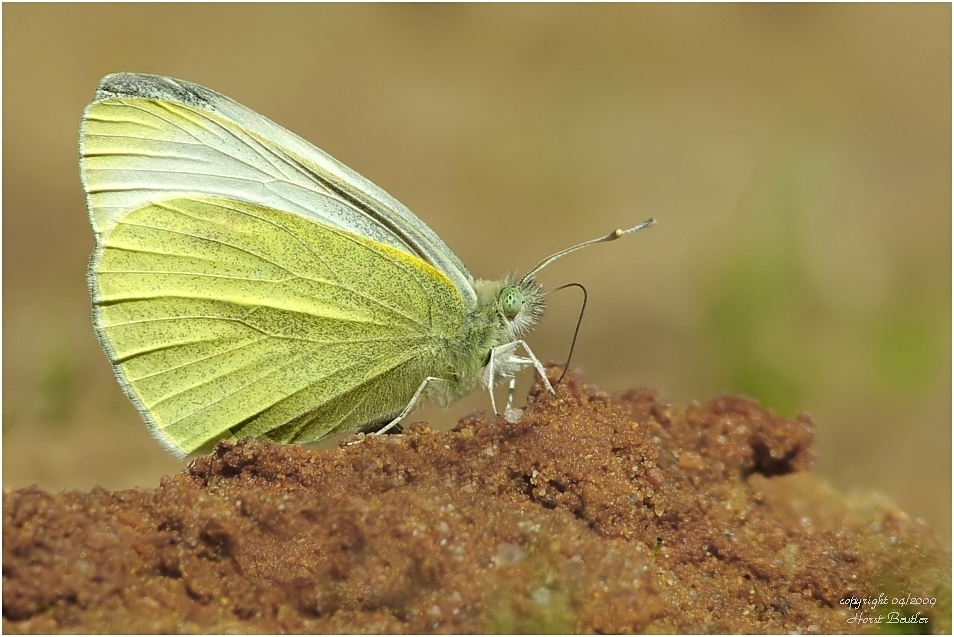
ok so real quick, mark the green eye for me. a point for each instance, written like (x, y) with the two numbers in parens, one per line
(511, 300)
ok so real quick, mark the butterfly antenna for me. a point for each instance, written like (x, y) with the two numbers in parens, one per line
(613, 236)
(576, 332)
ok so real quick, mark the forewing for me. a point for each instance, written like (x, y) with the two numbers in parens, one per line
(223, 317)
(146, 138)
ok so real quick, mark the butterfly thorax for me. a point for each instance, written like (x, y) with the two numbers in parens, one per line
(504, 312)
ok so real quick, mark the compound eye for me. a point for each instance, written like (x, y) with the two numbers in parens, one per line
(511, 300)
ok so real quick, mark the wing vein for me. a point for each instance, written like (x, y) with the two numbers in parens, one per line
(338, 282)
(199, 360)
(198, 140)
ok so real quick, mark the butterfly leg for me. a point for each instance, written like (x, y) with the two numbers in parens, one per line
(511, 414)
(489, 379)
(536, 363)
(410, 405)
(509, 363)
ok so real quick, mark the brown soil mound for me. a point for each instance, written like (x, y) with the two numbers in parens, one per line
(592, 514)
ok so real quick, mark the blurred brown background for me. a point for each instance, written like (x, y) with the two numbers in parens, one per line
(798, 158)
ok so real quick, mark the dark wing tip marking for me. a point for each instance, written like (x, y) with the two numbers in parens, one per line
(154, 87)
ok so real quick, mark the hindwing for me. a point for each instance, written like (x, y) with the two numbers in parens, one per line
(223, 317)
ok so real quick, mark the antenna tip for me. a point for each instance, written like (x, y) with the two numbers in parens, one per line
(616, 234)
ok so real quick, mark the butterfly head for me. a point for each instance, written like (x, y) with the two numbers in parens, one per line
(520, 305)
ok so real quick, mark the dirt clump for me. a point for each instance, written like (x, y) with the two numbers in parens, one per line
(592, 514)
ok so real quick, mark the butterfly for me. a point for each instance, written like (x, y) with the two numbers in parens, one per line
(245, 283)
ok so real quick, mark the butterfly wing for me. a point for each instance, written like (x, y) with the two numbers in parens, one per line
(148, 138)
(228, 318)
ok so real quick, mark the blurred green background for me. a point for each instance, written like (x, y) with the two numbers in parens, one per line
(798, 158)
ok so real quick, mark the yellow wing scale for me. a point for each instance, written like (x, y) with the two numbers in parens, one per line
(223, 317)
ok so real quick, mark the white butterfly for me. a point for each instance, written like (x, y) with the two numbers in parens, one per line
(204, 211)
